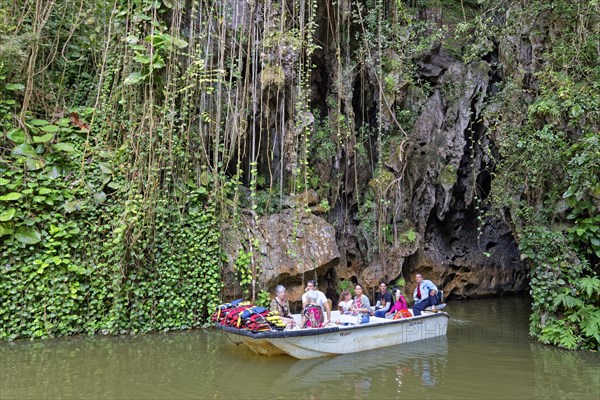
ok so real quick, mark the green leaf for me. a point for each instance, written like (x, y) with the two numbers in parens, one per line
(50, 128)
(105, 169)
(33, 164)
(38, 122)
(74, 205)
(54, 172)
(7, 215)
(114, 185)
(17, 135)
(27, 235)
(66, 147)
(24, 150)
(11, 196)
(45, 190)
(180, 43)
(204, 178)
(100, 197)
(133, 78)
(14, 86)
(143, 58)
(44, 138)
(6, 229)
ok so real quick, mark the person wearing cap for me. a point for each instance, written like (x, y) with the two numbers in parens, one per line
(425, 295)
(311, 286)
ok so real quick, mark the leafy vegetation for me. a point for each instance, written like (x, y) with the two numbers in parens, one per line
(102, 226)
(545, 123)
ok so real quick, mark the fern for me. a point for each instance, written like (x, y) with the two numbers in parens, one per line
(559, 334)
(590, 324)
(590, 286)
(568, 340)
(568, 301)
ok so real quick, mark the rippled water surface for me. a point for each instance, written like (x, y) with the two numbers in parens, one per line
(486, 355)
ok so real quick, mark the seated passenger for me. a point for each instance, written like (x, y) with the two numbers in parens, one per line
(345, 303)
(361, 304)
(383, 300)
(425, 295)
(312, 315)
(281, 305)
(311, 285)
(399, 309)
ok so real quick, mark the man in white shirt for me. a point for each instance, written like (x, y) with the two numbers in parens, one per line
(321, 299)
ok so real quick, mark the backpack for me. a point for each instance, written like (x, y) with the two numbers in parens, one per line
(402, 314)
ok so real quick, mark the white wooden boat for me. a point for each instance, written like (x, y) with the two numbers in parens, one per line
(341, 339)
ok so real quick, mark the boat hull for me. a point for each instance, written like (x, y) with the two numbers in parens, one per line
(313, 343)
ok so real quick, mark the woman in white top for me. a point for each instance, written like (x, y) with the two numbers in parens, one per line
(345, 303)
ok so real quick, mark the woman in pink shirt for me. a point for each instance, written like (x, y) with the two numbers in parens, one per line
(399, 308)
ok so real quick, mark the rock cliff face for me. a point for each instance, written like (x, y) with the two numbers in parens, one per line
(427, 197)
(442, 177)
(448, 177)
(293, 247)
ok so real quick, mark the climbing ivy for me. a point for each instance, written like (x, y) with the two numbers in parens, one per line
(67, 267)
(106, 221)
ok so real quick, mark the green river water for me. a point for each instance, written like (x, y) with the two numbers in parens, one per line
(486, 355)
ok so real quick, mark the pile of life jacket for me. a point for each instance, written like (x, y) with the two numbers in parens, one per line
(244, 315)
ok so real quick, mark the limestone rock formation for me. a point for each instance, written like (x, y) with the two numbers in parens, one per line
(434, 178)
(293, 246)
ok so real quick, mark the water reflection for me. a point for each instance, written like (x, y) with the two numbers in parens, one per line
(553, 367)
(356, 374)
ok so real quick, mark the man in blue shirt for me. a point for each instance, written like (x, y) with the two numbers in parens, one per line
(425, 295)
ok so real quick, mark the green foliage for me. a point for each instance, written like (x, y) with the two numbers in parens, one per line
(408, 237)
(106, 223)
(546, 179)
(243, 264)
(324, 204)
(583, 178)
(345, 285)
(151, 58)
(67, 266)
(400, 282)
(565, 300)
(263, 299)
